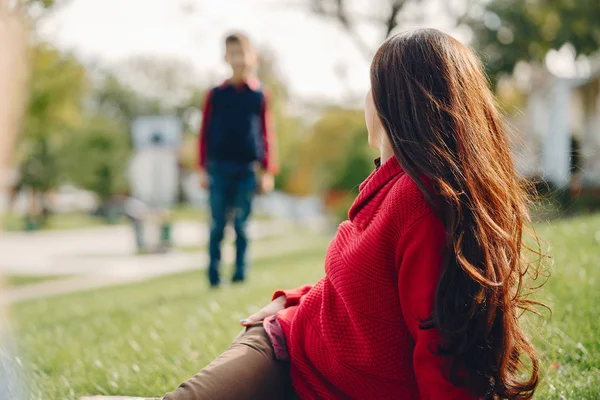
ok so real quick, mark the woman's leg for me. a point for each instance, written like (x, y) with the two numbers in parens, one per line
(247, 370)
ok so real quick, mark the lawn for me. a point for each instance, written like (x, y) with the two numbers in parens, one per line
(12, 222)
(15, 223)
(21, 280)
(144, 339)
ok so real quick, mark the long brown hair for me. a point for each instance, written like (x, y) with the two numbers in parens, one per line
(435, 104)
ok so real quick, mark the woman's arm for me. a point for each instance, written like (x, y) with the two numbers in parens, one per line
(422, 254)
(293, 296)
(282, 299)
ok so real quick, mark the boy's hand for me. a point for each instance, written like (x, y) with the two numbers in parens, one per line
(266, 183)
(270, 309)
(204, 181)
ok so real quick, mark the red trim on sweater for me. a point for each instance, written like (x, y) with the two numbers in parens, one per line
(203, 136)
(269, 164)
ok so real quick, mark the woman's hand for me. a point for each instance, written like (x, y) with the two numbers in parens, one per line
(271, 309)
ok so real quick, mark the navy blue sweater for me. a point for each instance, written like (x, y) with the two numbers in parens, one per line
(236, 126)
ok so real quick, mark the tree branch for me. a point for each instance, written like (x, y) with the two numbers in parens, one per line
(338, 11)
(363, 47)
(391, 23)
(347, 23)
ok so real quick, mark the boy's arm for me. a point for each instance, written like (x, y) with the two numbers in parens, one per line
(268, 163)
(203, 137)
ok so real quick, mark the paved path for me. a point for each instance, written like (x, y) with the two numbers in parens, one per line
(61, 252)
(100, 257)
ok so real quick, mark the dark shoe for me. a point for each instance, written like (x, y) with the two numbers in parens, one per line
(238, 279)
(213, 276)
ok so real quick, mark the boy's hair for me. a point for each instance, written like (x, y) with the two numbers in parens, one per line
(238, 38)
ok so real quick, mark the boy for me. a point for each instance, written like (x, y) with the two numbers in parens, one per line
(235, 138)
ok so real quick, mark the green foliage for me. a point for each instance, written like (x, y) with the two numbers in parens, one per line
(357, 165)
(568, 341)
(21, 280)
(55, 222)
(97, 157)
(56, 89)
(515, 30)
(338, 150)
(116, 100)
(40, 168)
(98, 154)
(43, 3)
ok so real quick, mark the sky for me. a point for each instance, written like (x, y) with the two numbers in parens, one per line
(308, 50)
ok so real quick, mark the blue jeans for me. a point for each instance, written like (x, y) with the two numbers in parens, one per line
(232, 189)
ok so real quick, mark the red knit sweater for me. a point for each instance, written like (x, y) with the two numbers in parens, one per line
(355, 334)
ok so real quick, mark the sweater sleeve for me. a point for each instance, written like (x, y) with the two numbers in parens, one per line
(203, 135)
(422, 252)
(269, 162)
(292, 297)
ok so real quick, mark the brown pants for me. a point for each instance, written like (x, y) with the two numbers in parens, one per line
(247, 370)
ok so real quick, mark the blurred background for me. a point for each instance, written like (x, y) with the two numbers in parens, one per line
(96, 313)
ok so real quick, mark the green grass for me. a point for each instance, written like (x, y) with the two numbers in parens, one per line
(12, 222)
(144, 339)
(188, 213)
(569, 341)
(193, 249)
(21, 280)
(15, 223)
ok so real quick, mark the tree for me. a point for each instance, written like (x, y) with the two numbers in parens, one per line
(58, 83)
(33, 9)
(509, 31)
(336, 156)
(385, 15)
(146, 86)
(39, 3)
(98, 154)
(118, 101)
(357, 164)
(53, 111)
(388, 16)
(97, 157)
(162, 87)
(169, 82)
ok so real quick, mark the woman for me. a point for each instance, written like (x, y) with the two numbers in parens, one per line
(423, 284)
